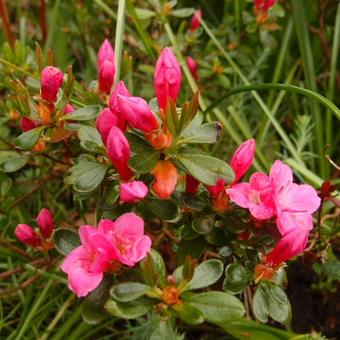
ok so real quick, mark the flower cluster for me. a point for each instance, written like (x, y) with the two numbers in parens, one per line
(105, 249)
(39, 240)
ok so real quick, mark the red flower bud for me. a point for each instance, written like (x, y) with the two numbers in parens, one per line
(27, 235)
(27, 124)
(51, 81)
(45, 223)
(196, 20)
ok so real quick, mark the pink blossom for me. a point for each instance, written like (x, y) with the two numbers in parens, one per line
(192, 64)
(191, 184)
(27, 124)
(51, 81)
(105, 53)
(118, 150)
(264, 5)
(68, 109)
(104, 122)
(27, 235)
(127, 236)
(242, 159)
(45, 222)
(137, 113)
(167, 77)
(196, 20)
(133, 191)
(86, 264)
(255, 196)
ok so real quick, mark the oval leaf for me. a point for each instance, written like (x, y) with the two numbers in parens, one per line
(128, 291)
(130, 310)
(66, 240)
(237, 278)
(11, 161)
(28, 139)
(83, 114)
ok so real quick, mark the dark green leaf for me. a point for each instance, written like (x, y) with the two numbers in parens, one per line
(144, 162)
(83, 114)
(66, 240)
(90, 139)
(206, 133)
(129, 291)
(138, 144)
(188, 247)
(164, 209)
(203, 224)
(237, 277)
(153, 269)
(130, 310)
(28, 139)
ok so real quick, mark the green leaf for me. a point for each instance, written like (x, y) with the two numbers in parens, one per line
(144, 162)
(11, 161)
(183, 12)
(153, 269)
(206, 133)
(83, 114)
(203, 224)
(217, 307)
(28, 139)
(86, 176)
(138, 144)
(237, 277)
(92, 309)
(130, 310)
(206, 274)
(90, 139)
(189, 314)
(144, 14)
(164, 330)
(129, 291)
(188, 247)
(260, 305)
(66, 240)
(206, 169)
(166, 210)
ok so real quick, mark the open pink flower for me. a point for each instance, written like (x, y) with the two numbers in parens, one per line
(104, 122)
(86, 264)
(118, 150)
(167, 77)
(255, 196)
(51, 81)
(106, 67)
(26, 235)
(45, 222)
(127, 236)
(132, 192)
(196, 20)
(136, 112)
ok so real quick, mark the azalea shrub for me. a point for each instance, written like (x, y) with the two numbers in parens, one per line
(159, 221)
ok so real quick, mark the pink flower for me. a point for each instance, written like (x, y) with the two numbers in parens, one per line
(27, 235)
(51, 81)
(191, 184)
(242, 159)
(127, 236)
(104, 122)
(192, 67)
(27, 124)
(118, 150)
(264, 5)
(133, 191)
(255, 196)
(45, 223)
(167, 77)
(86, 264)
(136, 112)
(68, 109)
(106, 67)
(196, 20)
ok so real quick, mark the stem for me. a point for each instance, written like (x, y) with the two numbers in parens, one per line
(7, 24)
(17, 68)
(43, 20)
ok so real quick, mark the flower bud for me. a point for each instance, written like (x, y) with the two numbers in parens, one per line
(133, 191)
(166, 178)
(196, 20)
(106, 76)
(51, 81)
(136, 112)
(118, 150)
(68, 109)
(105, 53)
(192, 67)
(27, 235)
(191, 184)
(105, 120)
(216, 189)
(264, 5)
(167, 77)
(27, 124)
(45, 223)
(242, 159)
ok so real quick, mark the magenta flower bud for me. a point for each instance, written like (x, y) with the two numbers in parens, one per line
(264, 5)
(242, 159)
(45, 223)
(136, 112)
(27, 235)
(51, 81)
(192, 67)
(118, 150)
(167, 77)
(68, 109)
(133, 191)
(27, 124)
(105, 53)
(106, 76)
(105, 120)
(196, 20)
